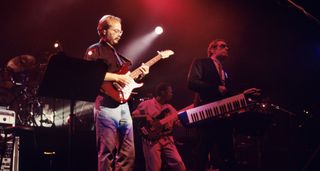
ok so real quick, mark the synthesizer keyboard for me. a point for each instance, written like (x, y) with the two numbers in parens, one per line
(218, 109)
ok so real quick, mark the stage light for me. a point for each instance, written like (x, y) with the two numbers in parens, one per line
(56, 45)
(158, 30)
(140, 44)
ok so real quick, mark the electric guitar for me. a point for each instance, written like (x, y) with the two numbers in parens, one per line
(121, 93)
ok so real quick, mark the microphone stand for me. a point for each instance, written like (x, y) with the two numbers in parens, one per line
(282, 110)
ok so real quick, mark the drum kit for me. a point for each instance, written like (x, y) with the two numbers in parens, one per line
(19, 81)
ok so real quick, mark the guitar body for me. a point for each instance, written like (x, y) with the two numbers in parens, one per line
(118, 92)
(153, 131)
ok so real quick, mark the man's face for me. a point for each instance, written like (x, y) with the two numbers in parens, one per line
(114, 33)
(221, 50)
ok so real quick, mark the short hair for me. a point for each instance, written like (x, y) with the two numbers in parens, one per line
(213, 44)
(105, 22)
(160, 88)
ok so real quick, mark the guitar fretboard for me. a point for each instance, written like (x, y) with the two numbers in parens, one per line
(135, 74)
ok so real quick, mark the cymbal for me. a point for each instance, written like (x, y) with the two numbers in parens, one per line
(22, 63)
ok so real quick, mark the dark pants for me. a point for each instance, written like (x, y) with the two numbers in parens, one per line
(215, 142)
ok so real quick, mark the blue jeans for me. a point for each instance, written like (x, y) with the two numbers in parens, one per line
(114, 136)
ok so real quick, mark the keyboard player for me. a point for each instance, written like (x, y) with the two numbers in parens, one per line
(209, 81)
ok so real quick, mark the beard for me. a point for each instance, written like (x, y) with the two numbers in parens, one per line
(115, 40)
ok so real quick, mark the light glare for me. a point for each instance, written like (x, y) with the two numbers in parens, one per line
(56, 45)
(158, 30)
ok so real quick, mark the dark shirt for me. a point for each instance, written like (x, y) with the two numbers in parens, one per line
(113, 60)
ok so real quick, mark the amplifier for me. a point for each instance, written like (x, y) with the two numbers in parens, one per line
(7, 117)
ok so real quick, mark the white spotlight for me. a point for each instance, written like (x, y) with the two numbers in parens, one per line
(90, 52)
(158, 30)
(56, 45)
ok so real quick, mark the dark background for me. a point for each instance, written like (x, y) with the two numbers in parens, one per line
(274, 47)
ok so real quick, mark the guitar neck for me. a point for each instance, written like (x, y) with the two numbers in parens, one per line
(137, 72)
(173, 115)
(168, 118)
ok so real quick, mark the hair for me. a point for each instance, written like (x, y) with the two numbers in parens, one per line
(213, 44)
(105, 22)
(160, 88)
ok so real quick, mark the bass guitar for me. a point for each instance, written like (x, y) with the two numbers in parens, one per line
(121, 93)
(152, 131)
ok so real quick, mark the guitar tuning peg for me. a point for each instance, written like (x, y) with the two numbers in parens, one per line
(159, 53)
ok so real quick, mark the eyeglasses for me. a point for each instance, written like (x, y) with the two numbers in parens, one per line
(117, 31)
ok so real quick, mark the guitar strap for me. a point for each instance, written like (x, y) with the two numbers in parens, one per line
(162, 114)
(121, 59)
(126, 60)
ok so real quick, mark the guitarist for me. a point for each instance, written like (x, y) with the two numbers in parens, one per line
(162, 147)
(113, 122)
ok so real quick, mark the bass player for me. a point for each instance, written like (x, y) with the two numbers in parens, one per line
(157, 142)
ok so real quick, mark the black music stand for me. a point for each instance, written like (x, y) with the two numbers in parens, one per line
(72, 79)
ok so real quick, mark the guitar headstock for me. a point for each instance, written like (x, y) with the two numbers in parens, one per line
(165, 54)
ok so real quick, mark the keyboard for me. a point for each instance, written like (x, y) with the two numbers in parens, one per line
(218, 109)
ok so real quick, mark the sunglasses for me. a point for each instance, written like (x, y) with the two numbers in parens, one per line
(222, 46)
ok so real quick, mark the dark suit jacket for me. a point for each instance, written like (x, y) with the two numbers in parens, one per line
(203, 78)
